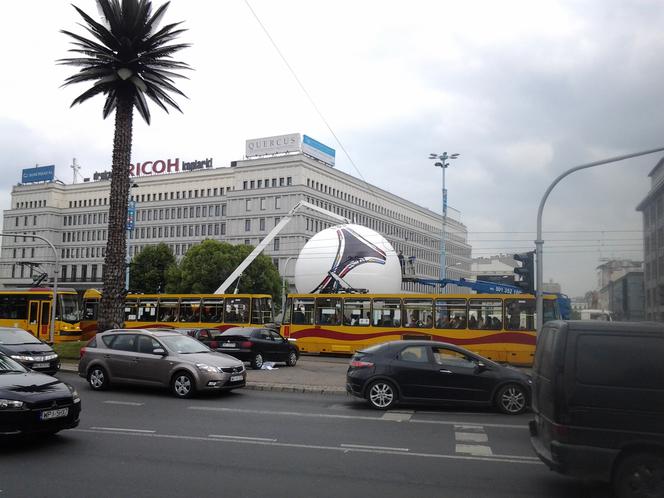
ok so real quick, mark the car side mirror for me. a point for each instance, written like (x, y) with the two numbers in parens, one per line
(159, 351)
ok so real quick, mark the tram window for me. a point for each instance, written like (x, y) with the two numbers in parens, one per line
(357, 312)
(386, 313)
(303, 311)
(520, 314)
(168, 310)
(288, 310)
(485, 314)
(90, 312)
(418, 313)
(261, 310)
(147, 310)
(213, 310)
(190, 310)
(13, 306)
(237, 310)
(328, 311)
(450, 313)
(131, 310)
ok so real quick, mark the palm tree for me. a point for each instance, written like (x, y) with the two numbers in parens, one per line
(128, 60)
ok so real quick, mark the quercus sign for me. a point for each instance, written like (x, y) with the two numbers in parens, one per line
(159, 167)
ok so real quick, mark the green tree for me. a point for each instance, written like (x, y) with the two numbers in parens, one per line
(208, 264)
(128, 59)
(148, 269)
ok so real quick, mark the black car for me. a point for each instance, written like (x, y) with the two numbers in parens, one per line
(434, 372)
(25, 348)
(252, 344)
(33, 402)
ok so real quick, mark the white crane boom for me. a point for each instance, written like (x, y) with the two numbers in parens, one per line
(268, 238)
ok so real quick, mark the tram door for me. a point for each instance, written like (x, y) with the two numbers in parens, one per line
(39, 315)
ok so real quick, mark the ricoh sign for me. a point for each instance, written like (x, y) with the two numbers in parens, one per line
(159, 167)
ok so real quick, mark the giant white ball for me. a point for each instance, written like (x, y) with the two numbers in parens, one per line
(361, 257)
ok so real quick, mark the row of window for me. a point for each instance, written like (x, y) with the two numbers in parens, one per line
(204, 230)
(31, 204)
(155, 197)
(451, 313)
(262, 203)
(85, 219)
(25, 221)
(267, 183)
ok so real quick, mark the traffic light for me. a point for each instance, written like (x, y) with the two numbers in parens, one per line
(526, 271)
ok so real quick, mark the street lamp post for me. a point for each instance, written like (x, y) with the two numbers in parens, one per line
(131, 221)
(443, 164)
(283, 285)
(539, 243)
(56, 269)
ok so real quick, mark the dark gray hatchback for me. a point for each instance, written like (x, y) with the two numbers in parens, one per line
(162, 358)
(598, 400)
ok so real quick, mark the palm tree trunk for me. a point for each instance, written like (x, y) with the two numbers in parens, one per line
(111, 307)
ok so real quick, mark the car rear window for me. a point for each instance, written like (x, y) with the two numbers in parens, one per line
(242, 331)
(622, 361)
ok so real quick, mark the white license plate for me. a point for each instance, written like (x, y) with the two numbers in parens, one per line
(40, 365)
(228, 345)
(236, 378)
(49, 414)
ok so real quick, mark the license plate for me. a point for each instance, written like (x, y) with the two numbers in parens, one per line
(49, 414)
(236, 378)
(228, 345)
(40, 365)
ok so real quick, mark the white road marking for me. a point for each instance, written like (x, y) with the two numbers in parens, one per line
(474, 449)
(127, 403)
(495, 458)
(469, 428)
(242, 437)
(397, 416)
(346, 417)
(386, 448)
(122, 429)
(471, 437)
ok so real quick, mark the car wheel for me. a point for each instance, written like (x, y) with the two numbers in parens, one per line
(512, 399)
(382, 395)
(98, 378)
(182, 385)
(639, 475)
(292, 359)
(257, 361)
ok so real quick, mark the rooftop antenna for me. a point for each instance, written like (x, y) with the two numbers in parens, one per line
(75, 168)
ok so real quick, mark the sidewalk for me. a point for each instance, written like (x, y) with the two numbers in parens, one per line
(312, 374)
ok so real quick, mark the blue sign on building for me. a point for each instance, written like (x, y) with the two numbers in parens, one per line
(318, 150)
(131, 215)
(38, 174)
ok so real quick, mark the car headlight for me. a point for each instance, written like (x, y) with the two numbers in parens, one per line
(10, 404)
(74, 394)
(207, 368)
(20, 357)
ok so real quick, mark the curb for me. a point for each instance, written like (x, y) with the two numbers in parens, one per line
(258, 386)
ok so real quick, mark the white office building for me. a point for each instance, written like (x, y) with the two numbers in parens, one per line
(182, 203)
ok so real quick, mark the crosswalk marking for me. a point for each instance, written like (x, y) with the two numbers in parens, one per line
(471, 437)
(474, 449)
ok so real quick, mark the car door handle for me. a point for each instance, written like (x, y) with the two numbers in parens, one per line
(443, 371)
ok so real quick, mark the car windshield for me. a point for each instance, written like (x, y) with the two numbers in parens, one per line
(183, 344)
(9, 337)
(8, 365)
(68, 304)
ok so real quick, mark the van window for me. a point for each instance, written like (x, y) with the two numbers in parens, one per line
(627, 361)
(545, 352)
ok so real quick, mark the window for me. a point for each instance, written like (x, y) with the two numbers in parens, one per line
(303, 311)
(123, 342)
(386, 313)
(190, 310)
(247, 225)
(418, 313)
(416, 354)
(147, 310)
(248, 204)
(276, 244)
(168, 310)
(277, 202)
(519, 314)
(274, 182)
(328, 311)
(263, 203)
(450, 313)
(261, 224)
(357, 312)
(237, 310)
(485, 314)
(289, 180)
(213, 310)
(450, 357)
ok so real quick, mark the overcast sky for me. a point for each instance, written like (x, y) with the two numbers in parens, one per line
(522, 90)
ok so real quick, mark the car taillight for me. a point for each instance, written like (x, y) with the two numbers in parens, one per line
(82, 352)
(246, 344)
(361, 364)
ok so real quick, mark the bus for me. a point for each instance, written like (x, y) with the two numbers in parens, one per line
(219, 311)
(30, 309)
(500, 327)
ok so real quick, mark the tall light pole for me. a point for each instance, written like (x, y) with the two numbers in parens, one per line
(283, 285)
(56, 269)
(131, 222)
(539, 243)
(443, 164)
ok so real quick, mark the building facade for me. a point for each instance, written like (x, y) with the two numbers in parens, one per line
(238, 204)
(652, 207)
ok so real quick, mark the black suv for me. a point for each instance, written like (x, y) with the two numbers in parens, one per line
(598, 399)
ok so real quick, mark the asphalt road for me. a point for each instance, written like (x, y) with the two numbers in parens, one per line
(137, 442)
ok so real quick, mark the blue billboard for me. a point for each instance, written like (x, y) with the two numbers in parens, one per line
(38, 174)
(318, 150)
